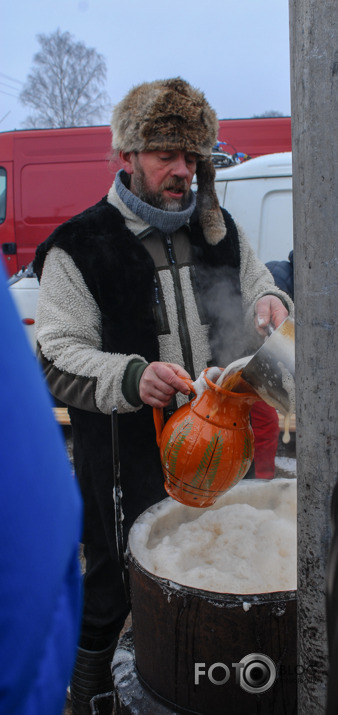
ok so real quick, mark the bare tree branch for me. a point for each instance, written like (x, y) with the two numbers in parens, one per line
(64, 87)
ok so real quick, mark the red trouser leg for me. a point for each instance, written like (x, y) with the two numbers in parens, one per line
(264, 421)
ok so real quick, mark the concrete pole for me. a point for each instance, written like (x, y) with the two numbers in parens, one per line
(314, 103)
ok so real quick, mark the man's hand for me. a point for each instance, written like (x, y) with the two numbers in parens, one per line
(269, 310)
(160, 381)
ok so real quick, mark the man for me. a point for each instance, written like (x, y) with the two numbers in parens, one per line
(148, 286)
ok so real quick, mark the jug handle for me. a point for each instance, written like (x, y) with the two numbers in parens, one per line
(158, 413)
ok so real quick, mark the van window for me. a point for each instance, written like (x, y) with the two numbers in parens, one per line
(3, 189)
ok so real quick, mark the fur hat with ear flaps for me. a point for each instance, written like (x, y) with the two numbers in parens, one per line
(168, 115)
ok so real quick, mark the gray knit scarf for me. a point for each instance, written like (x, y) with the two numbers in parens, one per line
(166, 221)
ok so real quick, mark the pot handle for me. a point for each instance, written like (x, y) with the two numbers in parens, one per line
(158, 413)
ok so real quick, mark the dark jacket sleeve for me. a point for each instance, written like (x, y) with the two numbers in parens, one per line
(282, 272)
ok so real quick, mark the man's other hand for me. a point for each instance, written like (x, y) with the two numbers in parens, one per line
(160, 381)
(269, 310)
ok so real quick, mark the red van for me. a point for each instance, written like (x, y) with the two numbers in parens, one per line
(47, 176)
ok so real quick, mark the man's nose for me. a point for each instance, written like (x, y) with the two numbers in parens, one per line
(180, 167)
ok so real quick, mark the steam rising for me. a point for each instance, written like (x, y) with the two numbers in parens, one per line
(222, 306)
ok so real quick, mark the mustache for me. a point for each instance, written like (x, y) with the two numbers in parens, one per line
(175, 185)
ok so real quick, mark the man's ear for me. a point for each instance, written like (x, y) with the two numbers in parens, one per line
(126, 158)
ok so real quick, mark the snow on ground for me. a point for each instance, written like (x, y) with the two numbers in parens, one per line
(286, 464)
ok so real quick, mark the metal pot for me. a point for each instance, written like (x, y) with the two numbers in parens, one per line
(271, 370)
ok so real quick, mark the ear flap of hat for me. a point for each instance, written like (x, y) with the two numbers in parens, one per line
(210, 215)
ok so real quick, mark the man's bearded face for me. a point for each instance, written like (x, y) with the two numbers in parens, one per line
(163, 179)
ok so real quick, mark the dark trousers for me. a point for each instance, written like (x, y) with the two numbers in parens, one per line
(105, 603)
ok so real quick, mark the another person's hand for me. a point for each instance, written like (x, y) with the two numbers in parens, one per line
(269, 310)
(160, 381)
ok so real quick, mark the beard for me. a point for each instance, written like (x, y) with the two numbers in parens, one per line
(156, 198)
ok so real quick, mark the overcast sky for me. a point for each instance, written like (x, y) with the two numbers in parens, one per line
(236, 51)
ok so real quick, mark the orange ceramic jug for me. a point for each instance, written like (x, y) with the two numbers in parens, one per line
(206, 446)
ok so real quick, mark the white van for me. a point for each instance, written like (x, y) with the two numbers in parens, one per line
(258, 195)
